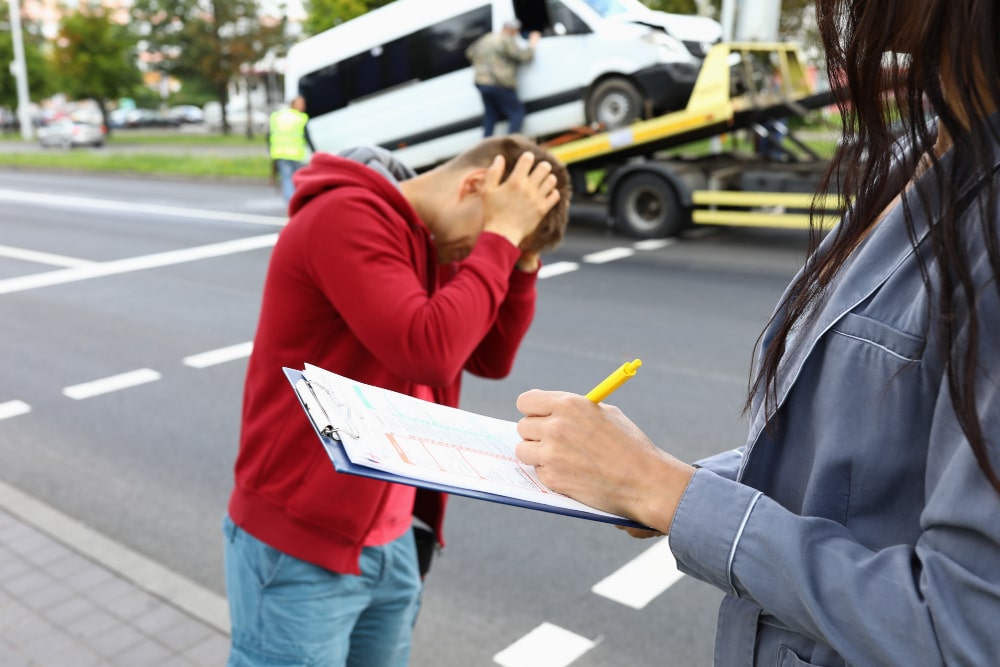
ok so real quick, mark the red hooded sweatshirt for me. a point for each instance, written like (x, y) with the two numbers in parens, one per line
(354, 287)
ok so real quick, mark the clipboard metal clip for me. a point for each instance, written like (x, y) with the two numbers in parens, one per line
(330, 430)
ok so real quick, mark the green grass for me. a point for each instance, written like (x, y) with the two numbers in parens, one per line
(144, 163)
(181, 138)
(204, 164)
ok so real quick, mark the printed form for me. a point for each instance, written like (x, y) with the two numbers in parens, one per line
(421, 440)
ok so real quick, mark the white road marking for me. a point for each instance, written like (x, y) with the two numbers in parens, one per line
(219, 356)
(643, 578)
(69, 201)
(653, 244)
(13, 409)
(42, 257)
(546, 646)
(557, 269)
(129, 264)
(609, 255)
(112, 383)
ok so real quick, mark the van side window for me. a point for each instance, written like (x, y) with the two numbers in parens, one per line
(419, 56)
(560, 13)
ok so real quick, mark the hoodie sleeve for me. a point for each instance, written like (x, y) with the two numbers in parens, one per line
(494, 357)
(375, 275)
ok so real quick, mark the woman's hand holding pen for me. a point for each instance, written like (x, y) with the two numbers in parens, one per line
(595, 454)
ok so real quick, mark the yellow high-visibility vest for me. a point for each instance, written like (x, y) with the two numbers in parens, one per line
(288, 136)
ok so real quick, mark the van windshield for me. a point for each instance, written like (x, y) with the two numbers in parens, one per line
(608, 8)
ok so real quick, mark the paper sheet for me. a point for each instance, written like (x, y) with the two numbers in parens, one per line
(426, 441)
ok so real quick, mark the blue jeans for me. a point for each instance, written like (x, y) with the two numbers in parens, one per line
(498, 103)
(286, 612)
(285, 170)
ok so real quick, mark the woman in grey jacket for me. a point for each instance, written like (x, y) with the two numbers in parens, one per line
(860, 523)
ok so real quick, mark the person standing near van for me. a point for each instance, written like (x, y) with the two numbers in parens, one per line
(404, 282)
(288, 141)
(495, 58)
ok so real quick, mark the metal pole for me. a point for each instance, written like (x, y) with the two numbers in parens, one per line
(20, 71)
(728, 19)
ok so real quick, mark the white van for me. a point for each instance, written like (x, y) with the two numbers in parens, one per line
(397, 76)
(697, 33)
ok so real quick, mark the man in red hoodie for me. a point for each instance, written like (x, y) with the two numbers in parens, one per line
(397, 280)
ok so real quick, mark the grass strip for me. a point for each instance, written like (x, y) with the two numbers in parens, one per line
(145, 163)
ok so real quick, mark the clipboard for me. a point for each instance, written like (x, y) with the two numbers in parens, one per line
(332, 419)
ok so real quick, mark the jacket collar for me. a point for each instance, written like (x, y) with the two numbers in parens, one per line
(880, 255)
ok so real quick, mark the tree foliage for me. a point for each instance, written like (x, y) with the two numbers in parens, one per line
(324, 14)
(40, 78)
(207, 40)
(95, 57)
(673, 6)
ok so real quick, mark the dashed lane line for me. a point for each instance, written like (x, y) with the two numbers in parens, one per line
(70, 201)
(557, 269)
(101, 269)
(547, 645)
(609, 255)
(13, 409)
(653, 244)
(219, 356)
(112, 383)
(643, 578)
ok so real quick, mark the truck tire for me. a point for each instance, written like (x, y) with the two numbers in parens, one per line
(645, 205)
(614, 103)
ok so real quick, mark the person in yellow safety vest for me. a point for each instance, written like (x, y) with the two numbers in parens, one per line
(289, 143)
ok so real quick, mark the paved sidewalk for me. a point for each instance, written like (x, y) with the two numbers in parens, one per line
(81, 600)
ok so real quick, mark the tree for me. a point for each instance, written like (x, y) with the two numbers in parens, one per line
(95, 57)
(207, 40)
(673, 6)
(324, 14)
(39, 70)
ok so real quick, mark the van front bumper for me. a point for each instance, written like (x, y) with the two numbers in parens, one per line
(668, 86)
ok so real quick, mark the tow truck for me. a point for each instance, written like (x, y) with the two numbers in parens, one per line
(650, 192)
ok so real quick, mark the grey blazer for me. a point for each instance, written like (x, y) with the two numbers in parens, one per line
(860, 530)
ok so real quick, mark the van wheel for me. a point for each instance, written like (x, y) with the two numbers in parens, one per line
(614, 103)
(646, 206)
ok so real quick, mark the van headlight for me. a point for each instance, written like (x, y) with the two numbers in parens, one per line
(664, 41)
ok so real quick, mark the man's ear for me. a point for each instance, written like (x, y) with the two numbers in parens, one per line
(472, 182)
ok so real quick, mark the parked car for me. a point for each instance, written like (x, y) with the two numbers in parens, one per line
(68, 133)
(149, 118)
(187, 113)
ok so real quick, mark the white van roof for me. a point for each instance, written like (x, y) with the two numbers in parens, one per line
(379, 25)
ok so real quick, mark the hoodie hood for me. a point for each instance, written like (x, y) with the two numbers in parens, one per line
(327, 171)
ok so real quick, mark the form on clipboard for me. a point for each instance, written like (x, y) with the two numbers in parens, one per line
(374, 432)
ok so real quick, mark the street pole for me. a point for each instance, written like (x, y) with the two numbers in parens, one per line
(20, 71)
(727, 19)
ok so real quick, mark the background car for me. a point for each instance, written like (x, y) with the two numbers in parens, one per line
(187, 113)
(68, 133)
(149, 118)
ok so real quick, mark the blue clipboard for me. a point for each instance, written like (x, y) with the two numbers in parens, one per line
(330, 432)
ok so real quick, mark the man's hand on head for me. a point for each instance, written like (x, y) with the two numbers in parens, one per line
(514, 208)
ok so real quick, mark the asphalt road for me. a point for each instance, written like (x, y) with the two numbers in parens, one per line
(156, 285)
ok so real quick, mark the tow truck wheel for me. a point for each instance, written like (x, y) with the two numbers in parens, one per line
(646, 206)
(614, 103)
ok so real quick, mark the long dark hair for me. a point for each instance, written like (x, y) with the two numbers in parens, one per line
(946, 65)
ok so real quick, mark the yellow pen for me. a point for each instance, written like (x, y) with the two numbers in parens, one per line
(613, 381)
